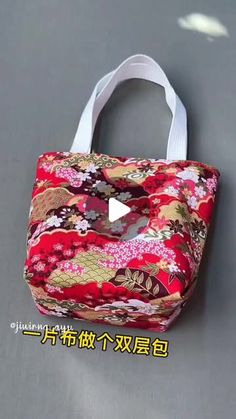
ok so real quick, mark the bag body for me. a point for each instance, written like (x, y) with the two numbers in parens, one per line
(139, 269)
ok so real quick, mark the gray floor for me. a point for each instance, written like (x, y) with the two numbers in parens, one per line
(51, 54)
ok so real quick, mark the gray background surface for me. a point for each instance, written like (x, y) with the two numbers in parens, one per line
(51, 55)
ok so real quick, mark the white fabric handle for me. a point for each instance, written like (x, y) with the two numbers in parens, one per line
(141, 67)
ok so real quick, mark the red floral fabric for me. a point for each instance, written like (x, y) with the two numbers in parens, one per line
(137, 271)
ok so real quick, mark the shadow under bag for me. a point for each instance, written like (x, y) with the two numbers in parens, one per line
(85, 258)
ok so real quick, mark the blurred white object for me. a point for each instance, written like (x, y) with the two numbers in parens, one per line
(208, 25)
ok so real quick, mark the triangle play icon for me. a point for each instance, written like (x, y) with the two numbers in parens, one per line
(116, 209)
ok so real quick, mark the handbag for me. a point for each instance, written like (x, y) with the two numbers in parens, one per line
(119, 240)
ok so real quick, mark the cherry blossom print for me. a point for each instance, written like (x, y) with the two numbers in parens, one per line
(71, 175)
(124, 252)
(68, 266)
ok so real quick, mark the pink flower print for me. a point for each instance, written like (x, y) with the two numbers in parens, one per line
(77, 244)
(46, 166)
(52, 259)
(51, 288)
(40, 229)
(211, 184)
(70, 174)
(35, 258)
(58, 246)
(70, 267)
(39, 267)
(68, 252)
(158, 223)
(124, 252)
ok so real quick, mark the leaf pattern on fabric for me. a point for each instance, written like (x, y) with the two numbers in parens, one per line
(136, 280)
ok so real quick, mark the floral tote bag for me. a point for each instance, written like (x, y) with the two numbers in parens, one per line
(119, 240)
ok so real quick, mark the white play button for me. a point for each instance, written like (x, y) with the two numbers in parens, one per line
(116, 209)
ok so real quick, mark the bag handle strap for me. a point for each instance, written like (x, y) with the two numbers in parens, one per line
(141, 67)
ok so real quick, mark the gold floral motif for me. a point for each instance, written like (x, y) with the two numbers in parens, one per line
(92, 271)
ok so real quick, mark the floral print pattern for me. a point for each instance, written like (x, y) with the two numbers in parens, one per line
(138, 271)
